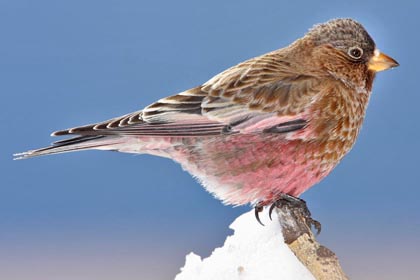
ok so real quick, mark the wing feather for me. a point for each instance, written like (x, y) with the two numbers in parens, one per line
(261, 95)
(254, 96)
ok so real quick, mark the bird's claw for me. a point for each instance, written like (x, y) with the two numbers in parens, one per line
(270, 211)
(293, 203)
(258, 209)
(313, 223)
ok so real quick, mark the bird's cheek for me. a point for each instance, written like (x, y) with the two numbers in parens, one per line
(328, 59)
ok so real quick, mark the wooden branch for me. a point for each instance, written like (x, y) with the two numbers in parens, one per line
(318, 259)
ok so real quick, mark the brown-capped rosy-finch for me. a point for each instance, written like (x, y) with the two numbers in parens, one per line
(273, 125)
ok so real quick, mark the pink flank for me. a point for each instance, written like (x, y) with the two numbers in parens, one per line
(241, 169)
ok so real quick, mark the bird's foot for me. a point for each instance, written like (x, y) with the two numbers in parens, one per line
(299, 207)
(295, 204)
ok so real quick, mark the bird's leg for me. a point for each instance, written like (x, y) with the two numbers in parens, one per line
(299, 207)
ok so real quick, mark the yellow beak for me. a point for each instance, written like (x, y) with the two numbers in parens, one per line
(381, 61)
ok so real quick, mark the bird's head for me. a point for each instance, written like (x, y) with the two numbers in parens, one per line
(344, 49)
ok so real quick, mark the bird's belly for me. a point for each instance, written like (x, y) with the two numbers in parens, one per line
(243, 169)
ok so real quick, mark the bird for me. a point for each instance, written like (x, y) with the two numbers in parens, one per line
(263, 130)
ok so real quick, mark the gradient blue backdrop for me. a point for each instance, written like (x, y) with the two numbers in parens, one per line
(103, 215)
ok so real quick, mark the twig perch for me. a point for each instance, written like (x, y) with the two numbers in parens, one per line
(318, 259)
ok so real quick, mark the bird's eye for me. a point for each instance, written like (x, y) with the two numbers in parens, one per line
(355, 52)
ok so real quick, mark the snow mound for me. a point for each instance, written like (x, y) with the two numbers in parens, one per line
(252, 252)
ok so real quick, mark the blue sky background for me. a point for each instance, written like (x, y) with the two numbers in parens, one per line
(103, 215)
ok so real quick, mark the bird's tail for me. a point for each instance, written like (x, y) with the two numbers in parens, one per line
(73, 144)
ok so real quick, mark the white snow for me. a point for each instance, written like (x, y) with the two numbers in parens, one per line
(253, 252)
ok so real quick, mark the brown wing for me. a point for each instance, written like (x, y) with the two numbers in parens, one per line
(262, 92)
(252, 92)
(262, 95)
(179, 115)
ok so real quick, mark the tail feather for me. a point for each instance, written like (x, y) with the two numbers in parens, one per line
(73, 144)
